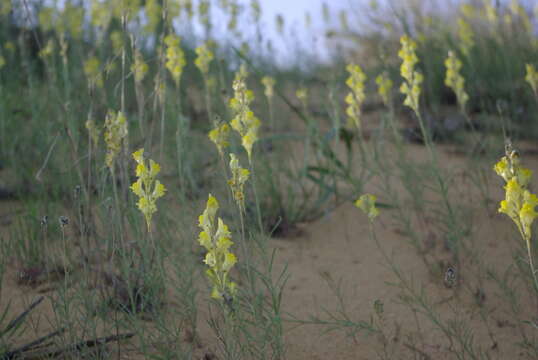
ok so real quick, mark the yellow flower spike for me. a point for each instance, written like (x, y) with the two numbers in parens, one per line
(454, 80)
(93, 130)
(269, 84)
(217, 242)
(139, 67)
(413, 79)
(175, 57)
(532, 77)
(244, 121)
(384, 84)
(2, 62)
(204, 58)
(93, 72)
(238, 180)
(302, 94)
(115, 133)
(146, 187)
(366, 203)
(356, 96)
(466, 35)
(220, 135)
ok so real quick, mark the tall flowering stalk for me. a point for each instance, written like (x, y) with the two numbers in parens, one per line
(532, 78)
(455, 80)
(202, 62)
(384, 88)
(237, 182)
(146, 187)
(115, 134)
(356, 96)
(413, 78)
(269, 84)
(220, 135)
(216, 239)
(366, 203)
(175, 57)
(519, 203)
(244, 121)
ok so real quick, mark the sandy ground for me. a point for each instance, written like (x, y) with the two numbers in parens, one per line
(337, 251)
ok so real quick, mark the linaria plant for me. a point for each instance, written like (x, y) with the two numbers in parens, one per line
(519, 203)
(244, 121)
(115, 133)
(202, 62)
(384, 88)
(356, 96)
(146, 187)
(455, 80)
(413, 78)
(532, 78)
(216, 239)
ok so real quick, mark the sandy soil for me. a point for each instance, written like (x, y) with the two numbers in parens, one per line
(337, 251)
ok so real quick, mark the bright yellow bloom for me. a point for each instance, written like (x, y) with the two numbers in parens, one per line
(519, 203)
(146, 187)
(532, 77)
(139, 67)
(216, 239)
(268, 83)
(92, 70)
(93, 130)
(220, 135)
(356, 96)
(204, 58)
(454, 80)
(47, 50)
(384, 87)
(466, 35)
(175, 57)
(244, 121)
(115, 133)
(302, 95)
(366, 203)
(413, 78)
(238, 180)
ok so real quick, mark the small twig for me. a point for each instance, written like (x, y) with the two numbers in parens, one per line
(15, 353)
(15, 322)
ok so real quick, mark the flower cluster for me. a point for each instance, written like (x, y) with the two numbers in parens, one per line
(302, 95)
(269, 84)
(115, 132)
(238, 180)
(175, 57)
(532, 77)
(356, 96)
(220, 135)
(466, 35)
(384, 87)
(454, 80)
(146, 187)
(93, 72)
(216, 239)
(139, 67)
(519, 203)
(203, 59)
(366, 203)
(244, 121)
(413, 78)
(2, 62)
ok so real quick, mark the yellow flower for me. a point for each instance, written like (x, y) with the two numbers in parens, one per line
(532, 77)
(268, 83)
(413, 78)
(384, 84)
(139, 67)
(146, 187)
(154, 15)
(115, 133)
(175, 57)
(2, 62)
(466, 35)
(302, 94)
(238, 180)
(217, 242)
(220, 136)
(356, 96)
(92, 70)
(366, 203)
(244, 121)
(204, 58)
(454, 80)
